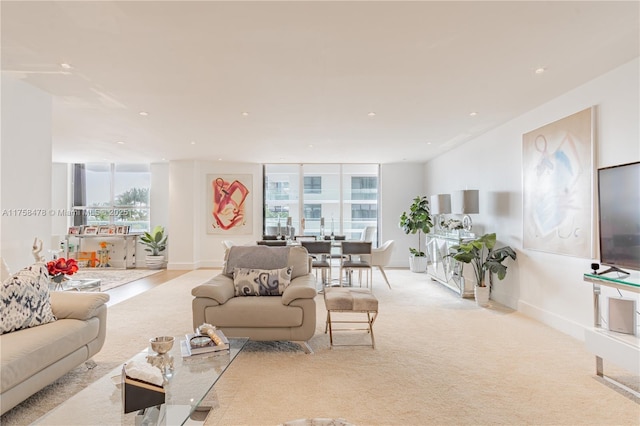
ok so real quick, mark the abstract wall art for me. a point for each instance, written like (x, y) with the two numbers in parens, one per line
(229, 204)
(558, 186)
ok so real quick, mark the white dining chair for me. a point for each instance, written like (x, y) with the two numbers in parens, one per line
(381, 256)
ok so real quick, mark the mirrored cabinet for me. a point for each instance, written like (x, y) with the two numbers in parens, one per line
(445, 269)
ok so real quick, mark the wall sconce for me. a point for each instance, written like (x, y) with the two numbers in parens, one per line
(440, 204)
(466, 202)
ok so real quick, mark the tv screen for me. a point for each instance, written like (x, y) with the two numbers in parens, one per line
(619, 215)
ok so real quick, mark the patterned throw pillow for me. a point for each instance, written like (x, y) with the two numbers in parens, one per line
(24, 299)
(261, 282)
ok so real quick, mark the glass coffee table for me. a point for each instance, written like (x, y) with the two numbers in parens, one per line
(82, 284)
(190, 381)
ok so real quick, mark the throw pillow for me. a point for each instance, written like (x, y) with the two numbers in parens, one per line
(261, 282)
(24, 299)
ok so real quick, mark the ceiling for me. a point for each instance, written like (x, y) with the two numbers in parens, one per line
(308, 74)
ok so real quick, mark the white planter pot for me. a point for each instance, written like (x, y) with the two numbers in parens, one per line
(482, 295)
(418, 264)
(155, 262)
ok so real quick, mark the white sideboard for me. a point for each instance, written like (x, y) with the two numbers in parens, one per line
(445, 269)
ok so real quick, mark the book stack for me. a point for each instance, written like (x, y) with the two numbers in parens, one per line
(197, 343)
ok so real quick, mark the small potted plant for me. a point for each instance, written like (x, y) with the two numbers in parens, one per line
(417, 221)
(156, 243)
(483, 255)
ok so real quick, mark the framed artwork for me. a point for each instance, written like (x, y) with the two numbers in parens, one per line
(558, 186)
(103, 229)
(90, 230)
(74, 230)
(229, 206)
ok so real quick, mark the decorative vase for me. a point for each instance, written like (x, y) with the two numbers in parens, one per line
(482, 295)
(418, 264)
(155, 262)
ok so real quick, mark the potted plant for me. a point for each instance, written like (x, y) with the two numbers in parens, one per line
(483, 255)
(156, 243)
(417, 220)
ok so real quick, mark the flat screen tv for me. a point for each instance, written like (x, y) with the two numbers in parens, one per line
(619, 217)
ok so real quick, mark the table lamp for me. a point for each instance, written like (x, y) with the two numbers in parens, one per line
(440, 205)
(466, 202)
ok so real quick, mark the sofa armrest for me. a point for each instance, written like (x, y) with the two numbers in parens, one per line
(76, 305)
(220, 288)
(303, 287)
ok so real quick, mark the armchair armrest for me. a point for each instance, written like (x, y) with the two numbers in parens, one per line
(75, 305)
(219, 288)
(303, 287)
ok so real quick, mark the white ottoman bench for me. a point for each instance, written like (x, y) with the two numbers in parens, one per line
(350, 300)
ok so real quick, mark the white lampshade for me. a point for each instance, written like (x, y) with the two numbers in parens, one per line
(466, 202)
(440, 204)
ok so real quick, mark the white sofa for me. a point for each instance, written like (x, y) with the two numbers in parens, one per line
(34, 357)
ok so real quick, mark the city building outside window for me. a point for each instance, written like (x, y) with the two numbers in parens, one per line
(343, 196)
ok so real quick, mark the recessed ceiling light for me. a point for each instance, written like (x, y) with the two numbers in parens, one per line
(371, 114)
(219, 159)
(540, 70)
(66, 66)
(193, 142)
(428, 143)
(473, 114)
(310, 146)
(164, 159)
(120, 142)
(143, 113)
(245, 113)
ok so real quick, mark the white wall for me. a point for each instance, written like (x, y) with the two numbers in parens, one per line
(190, 246)
(400, 183)
(61, 187)
(26, 171)
(545, 286)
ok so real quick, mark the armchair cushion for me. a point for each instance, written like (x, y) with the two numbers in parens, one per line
(261, 282)
(219, 288)
(264, 257)
(25, 299)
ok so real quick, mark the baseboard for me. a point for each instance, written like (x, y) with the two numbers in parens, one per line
(555, 321)
(181, 266)
(210, 264)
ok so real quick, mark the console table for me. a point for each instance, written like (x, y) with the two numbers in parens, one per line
(129, 241)
(444, 269)
(622, 349)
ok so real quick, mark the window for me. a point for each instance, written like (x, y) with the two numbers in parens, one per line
(332, 198)
(364, 187)
(312, 211)
(277, 190)
(364, 212)
(312, 184)
(112, 194)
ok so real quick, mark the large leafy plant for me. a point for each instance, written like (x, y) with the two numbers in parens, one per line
(417, 220)
(481, 253)
(156, 241)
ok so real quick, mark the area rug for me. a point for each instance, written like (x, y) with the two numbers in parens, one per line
(112, 278)
(439, 360)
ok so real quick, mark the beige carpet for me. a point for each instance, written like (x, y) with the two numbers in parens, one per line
(112, 278)
(439, 360)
